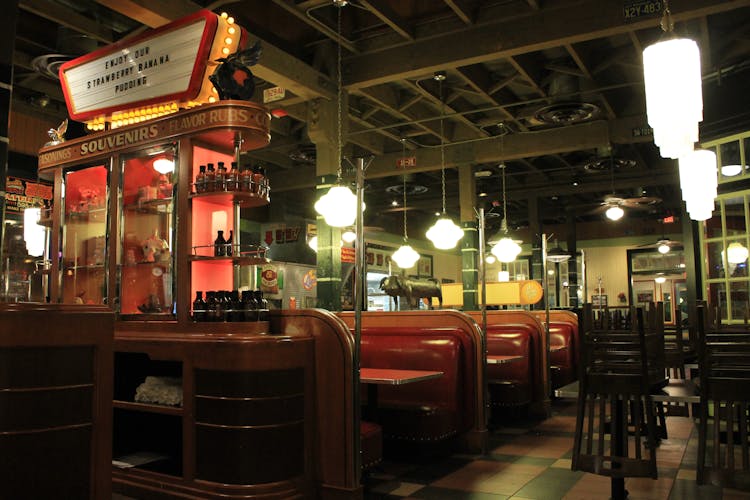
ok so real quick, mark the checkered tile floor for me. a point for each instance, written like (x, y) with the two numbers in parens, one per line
(531, 460)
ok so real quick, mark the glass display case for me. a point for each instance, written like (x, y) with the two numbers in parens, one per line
(138, 232)
(145, 257)
(84, 234)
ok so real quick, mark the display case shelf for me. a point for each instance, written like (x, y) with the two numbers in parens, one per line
(149, 407)
(244, 199)
(93, 215)
(156, 206)
(91, 267)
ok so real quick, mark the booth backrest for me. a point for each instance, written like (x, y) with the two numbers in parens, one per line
(445, 340)
(438, 349)
(505, 329)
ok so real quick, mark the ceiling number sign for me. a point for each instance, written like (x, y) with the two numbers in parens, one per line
(638, 8)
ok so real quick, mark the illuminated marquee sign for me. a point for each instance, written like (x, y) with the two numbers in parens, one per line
(154, 74)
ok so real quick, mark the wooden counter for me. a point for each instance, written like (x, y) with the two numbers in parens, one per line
(55, 401)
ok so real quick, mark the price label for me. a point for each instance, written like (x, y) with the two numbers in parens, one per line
(634, 9)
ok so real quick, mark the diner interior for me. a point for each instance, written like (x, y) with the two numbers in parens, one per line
(606, 356)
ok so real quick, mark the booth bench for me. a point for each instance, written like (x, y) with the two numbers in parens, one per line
(520, 383)
(564, 345)
(436, 410)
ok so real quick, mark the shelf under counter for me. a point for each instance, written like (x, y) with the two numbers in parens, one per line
(148, 407)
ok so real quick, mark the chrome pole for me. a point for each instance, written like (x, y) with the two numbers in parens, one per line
(359, 298)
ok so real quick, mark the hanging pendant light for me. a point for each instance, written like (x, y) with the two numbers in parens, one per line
(339, 205)
(405, 257)
(506, 249)
(699, 183)
(674, 100)
(444, 234)
(737, 253)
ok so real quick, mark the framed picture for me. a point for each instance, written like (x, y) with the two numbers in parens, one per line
(599, 300)
(424, 266)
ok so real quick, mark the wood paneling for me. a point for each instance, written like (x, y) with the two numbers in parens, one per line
(28, 133)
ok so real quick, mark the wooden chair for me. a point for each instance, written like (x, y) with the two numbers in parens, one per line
(725, 391)
(614, 400)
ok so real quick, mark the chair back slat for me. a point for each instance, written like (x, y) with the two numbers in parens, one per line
(618, 364)
(724, 360)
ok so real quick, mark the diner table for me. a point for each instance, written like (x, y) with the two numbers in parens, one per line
(390, 376)
(502, 359)
(675, 391)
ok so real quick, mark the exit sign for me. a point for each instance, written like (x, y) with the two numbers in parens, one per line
(406, 162)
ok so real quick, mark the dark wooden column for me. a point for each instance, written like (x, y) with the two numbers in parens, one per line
(322, 129)
(8, 26)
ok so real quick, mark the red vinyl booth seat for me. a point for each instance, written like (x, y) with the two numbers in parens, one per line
(371, 444)
(562, 358)
(431, 410)
(512, 384)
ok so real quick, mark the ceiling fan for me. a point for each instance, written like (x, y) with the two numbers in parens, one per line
(635, 203)
(663, 245)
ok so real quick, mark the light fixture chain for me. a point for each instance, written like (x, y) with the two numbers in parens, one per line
(667, 24)
(442, 141)
(339, 94)
(505, 207)
(403, 155)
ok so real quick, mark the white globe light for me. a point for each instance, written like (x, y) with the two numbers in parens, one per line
(405, 257)
(444, 234)
(660, 279)
(674, 98)
(349, 236)
(338, 206)
(614, 213)
(506, 250)
(736, 253)
(163, 165)
(490, 259)
(663, 248)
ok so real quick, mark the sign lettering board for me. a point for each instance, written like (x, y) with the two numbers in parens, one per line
(168, 64)
(273, 94)
(23, 193)
(634, 9)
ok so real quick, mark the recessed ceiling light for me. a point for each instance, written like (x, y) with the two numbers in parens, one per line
(394, 203)
(482, 194)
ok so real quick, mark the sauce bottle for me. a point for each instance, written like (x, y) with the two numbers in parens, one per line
(200, 180)
(210, 178)
(221, 177)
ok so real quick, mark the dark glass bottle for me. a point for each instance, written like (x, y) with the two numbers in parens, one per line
(211, 306)
(210, 177)
(200, 180)
(246, 179)
(199, 307)
(258, 180)
(221, 177)
(236, 306)
(265, 187)
(229, 243)
(249, 307)
(220, 248)
(233, 177)
(262, 306)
